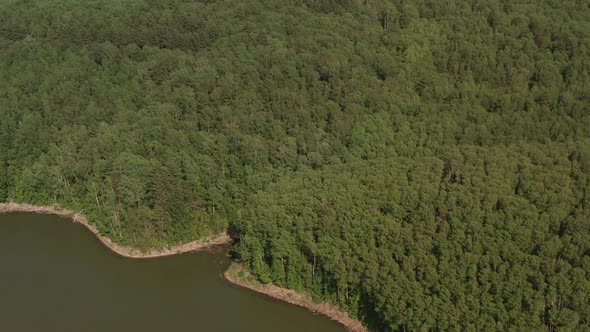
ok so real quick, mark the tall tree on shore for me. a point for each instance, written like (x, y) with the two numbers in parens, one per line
(422, 164)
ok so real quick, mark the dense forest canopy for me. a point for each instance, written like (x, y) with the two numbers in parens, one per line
(423, 164)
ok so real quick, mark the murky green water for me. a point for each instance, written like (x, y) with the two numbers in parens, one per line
(56, 276)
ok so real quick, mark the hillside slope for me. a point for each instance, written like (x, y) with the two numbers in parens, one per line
(423, 164)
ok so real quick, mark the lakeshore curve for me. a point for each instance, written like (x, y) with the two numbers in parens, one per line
(78, 217)
(238, 275)
(235, 274)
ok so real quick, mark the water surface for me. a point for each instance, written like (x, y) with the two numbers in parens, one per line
(56, 276)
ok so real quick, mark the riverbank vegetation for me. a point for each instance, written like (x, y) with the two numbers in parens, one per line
(205, 243)
(421, 164)
(238, 275)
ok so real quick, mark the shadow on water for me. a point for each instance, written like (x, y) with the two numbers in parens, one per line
(56, 276)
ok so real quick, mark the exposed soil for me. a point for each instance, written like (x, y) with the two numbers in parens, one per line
(238, 275)
(80, 218)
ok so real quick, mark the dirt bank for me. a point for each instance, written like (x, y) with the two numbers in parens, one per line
(117, 248)
(238, 275)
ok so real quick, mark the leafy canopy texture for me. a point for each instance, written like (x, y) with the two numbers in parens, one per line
(423, 164)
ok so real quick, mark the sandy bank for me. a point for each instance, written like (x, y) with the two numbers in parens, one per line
(238, 275)
(117, 248)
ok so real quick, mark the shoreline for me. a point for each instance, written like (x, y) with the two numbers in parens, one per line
(238, 275)
(129, 252)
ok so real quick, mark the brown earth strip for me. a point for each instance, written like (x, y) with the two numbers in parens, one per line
(235, 274)
(80, 218)
(238, 275)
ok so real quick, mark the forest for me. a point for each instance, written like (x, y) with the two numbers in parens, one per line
(425, 165)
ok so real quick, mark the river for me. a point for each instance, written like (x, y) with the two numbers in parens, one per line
(56, 276)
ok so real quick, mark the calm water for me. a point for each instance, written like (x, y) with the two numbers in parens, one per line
(56, 276)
